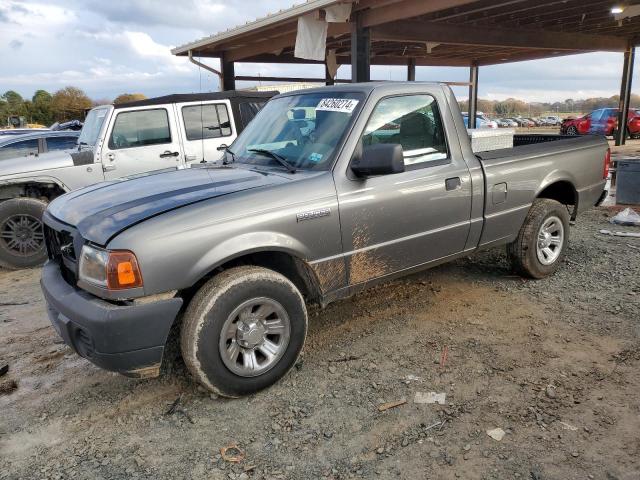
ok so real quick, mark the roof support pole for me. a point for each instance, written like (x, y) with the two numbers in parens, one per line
(473, 94)
(360, 51)
(411, 70)
(625, 95)
(228, 74)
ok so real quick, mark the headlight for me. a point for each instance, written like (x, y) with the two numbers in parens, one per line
(110, 269)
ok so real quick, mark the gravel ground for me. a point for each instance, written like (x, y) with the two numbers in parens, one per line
(553, 363)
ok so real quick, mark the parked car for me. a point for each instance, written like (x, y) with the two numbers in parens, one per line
(172, 132)
(603, 121)
(482, 121)
(35, 143)
(507, 123)
(552, 120)
(237, 250)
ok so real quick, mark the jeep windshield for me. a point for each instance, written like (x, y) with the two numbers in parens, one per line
(304, 130)
(92, 126)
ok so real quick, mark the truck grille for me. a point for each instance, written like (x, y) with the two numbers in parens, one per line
(59, 244)
(61, 249)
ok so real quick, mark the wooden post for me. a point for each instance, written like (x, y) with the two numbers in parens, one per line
(473, 94)
(360, 51)
(228, 80)
(411, 70)
(625, 95)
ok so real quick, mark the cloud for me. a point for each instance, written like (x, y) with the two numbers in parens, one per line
(16, 44)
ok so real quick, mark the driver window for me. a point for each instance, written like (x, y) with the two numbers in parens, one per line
(140, 128)
(412, 121)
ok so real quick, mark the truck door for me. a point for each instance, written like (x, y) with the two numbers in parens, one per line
(394, 222)
(140, 139)
(205, 126)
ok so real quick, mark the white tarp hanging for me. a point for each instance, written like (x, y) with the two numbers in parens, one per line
(332, 63)
(338, 13)
(311, 38)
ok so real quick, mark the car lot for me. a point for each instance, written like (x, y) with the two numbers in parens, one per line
(554, 363)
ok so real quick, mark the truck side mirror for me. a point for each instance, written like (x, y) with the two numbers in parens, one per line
(378, 159)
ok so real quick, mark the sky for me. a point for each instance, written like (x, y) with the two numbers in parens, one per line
(123, 46)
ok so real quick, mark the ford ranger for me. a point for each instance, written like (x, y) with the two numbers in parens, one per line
(326, 192)
(169, 132)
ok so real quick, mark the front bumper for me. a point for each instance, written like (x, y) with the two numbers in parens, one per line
(128, 339)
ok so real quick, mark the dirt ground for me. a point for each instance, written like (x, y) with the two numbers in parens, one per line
(554, 363)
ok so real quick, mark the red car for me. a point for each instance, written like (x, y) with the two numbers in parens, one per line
(601, 122)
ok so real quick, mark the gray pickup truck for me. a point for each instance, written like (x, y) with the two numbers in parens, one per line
(326, 192)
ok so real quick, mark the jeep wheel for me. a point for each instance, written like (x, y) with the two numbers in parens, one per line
(243, 330)
(542, 239)
(21, 236)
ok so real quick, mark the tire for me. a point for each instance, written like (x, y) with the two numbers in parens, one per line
(572, 130)
(524, 253)
(21, 236)
(220, 302)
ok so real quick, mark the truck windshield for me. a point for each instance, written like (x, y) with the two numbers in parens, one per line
(92, 126)
(304, 130)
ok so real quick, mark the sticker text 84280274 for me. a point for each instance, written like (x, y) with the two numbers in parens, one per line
(345, 105)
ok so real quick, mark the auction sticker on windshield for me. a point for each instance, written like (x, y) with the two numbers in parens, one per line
(345, 105)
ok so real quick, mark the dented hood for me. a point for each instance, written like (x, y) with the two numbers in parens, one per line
(103, 210)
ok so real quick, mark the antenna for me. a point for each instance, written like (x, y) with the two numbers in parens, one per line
(201, 114)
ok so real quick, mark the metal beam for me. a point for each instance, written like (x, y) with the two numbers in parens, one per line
(625, 95)
(407, 9)
(360, 50)
(260, 78)
(413, 31)
(375, 60)
(473, 95)
(411, 70)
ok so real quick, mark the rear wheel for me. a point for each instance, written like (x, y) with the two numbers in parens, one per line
(572, 130)
(21, 234)
(541, 242)
(243, 330)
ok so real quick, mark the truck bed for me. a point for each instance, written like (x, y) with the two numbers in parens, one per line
(514, 177)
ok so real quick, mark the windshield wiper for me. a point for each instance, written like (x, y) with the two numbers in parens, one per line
(278, 158)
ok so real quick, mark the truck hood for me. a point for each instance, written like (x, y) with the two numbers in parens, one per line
(35, 163)
(101, 211)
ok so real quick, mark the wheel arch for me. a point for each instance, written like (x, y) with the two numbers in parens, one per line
(288, 263)
(44, 189)
(561, 190)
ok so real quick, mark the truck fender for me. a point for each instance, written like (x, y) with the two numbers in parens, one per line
(20, 187)
(556, 176)
(34, 179)
(246, 244)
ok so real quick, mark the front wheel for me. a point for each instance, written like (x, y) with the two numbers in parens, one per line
(572, 130)
(541, 242)
(243, 330)
(21, 235)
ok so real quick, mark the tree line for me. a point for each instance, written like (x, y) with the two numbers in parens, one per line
(71, 103)
(513, 106)
(44, 108)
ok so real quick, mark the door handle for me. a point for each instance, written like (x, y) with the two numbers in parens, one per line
(190, 158)
(169, 154)
(108, 168)
(452, 183)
